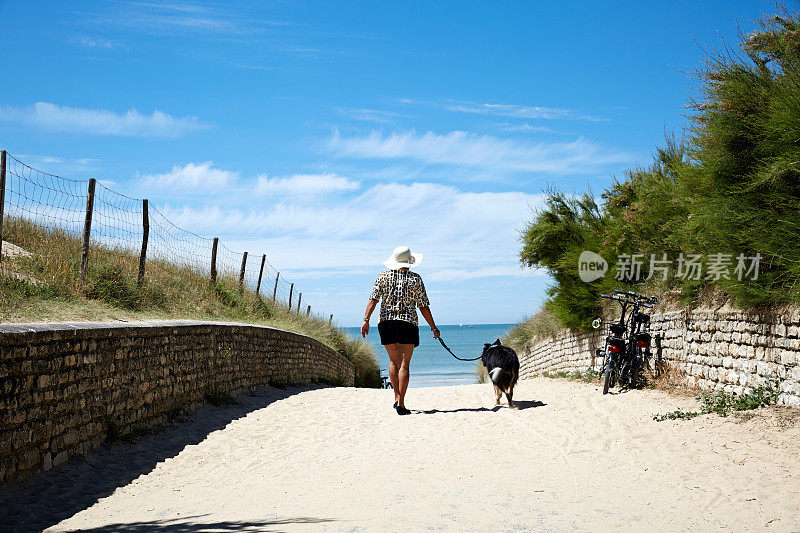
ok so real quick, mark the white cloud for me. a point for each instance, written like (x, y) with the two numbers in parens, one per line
(52, 117)
(55, 164)
(503, 270)
(372, 115)
(506, 110)
(470, 149)
(88, 42)
(192, 177)
(465, 231)
(507, 126)
(509, 110)
(305, 184)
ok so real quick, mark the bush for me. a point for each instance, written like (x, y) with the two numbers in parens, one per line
(110, 284)
(541, 325)
(560, 231)
(731, 186)
(723, 403)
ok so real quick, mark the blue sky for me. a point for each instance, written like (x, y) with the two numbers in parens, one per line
(326, 134)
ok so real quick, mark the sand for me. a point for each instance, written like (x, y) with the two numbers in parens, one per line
(338, 459)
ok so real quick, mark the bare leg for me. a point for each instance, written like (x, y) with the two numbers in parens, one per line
(406, 351)
(395, 359)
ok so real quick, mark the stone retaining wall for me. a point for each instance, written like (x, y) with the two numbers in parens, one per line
(64, 387)
(715, 349)
(566, 351)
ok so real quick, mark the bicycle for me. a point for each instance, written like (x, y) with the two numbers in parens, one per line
(385, 383)
(626, 352)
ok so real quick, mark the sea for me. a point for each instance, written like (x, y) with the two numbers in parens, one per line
(431, 365)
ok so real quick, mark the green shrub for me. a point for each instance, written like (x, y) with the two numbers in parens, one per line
(676, 414)
(111, 284)
(730, 186)
(586, 376)
(553, 240)
(541, 325)
(229, 296)
(723, 403)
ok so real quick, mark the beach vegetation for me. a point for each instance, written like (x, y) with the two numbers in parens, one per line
(724, 403)
(42, 283)
(728, 187)
(481, 374)
(586, 376)
(542, 325)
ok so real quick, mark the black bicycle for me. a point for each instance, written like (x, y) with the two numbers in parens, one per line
(385, 383)
(627, 346)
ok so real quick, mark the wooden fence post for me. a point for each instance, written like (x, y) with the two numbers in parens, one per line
(308, 311)
(260, 273)
(214, 260)
(275, 290)
(145, 236)
(2, 197)
(291, 289)
(241, 272)
(299, 299)
(87, 230)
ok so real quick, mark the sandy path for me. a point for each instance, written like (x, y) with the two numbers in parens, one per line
(569, 459)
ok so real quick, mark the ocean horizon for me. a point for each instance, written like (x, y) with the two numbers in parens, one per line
(431, 365)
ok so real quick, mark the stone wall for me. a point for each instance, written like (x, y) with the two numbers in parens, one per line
(566, 351)
(64, 387)
(715, 349)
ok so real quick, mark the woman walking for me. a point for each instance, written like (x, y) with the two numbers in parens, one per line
(400, 292)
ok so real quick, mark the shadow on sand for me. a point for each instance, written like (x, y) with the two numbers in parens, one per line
(186, 525)
(518, 405)
(47, 498)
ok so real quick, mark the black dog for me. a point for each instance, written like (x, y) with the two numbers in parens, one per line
(503, 366)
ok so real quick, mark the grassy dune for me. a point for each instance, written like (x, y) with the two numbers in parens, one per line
(42, 282)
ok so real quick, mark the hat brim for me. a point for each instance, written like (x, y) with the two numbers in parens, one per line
(391, 264)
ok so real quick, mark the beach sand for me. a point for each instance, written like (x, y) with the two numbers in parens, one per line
(340, 459)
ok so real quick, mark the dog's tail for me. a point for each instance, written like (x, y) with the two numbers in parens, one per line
(501, 378)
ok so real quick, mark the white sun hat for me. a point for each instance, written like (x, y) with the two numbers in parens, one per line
(403, 257)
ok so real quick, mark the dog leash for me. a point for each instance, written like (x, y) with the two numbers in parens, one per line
(454, 355)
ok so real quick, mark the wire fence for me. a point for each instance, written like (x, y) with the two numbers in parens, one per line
(59, 231)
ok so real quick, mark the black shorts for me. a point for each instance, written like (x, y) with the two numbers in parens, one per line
(398, 331)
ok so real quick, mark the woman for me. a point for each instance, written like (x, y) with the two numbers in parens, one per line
(400, 292)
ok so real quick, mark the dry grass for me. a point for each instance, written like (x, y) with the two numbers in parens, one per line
(542, 325)
(671, 378)
(46, 286)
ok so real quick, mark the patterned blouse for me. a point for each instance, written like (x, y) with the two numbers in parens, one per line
(400, 291)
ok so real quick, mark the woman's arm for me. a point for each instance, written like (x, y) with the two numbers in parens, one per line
(365, 324)
(426, 312)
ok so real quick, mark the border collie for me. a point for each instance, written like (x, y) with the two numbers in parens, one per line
(503, 366)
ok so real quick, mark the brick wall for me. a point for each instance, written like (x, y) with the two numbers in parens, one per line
(720, 349)
(62, 386)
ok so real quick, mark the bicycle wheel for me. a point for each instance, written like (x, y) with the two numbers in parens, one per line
(634, 374)
(641, 365)
(609, 377)
(624, 374)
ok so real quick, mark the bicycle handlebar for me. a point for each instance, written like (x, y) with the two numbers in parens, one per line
(644, 301)
(628, 293)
